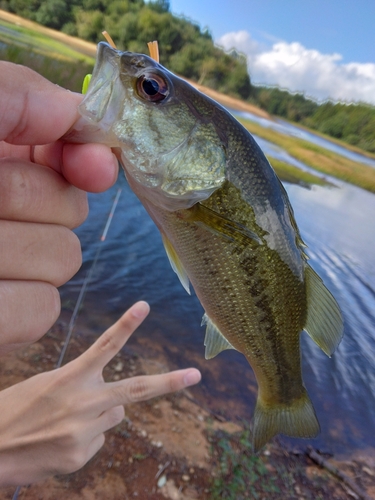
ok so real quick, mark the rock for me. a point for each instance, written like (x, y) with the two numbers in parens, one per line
(162, 480)
(119, 367)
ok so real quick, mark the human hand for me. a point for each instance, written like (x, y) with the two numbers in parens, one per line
(54, 422)
(41, 199)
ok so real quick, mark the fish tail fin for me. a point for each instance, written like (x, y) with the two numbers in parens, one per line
(297, 420)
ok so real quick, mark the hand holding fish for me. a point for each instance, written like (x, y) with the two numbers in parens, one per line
(41, 200)
(60, 417)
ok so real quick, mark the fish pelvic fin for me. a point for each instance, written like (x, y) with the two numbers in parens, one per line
(296, 420)
(214, 340)
(176, 264)
(324, 322)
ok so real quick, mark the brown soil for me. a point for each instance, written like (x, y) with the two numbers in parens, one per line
(170, 447)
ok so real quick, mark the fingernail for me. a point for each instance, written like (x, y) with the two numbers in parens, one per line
(140, 309)
(192, 377)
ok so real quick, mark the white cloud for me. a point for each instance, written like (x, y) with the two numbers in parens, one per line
(296, 68)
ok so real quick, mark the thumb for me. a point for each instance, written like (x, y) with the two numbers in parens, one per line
(33, 110)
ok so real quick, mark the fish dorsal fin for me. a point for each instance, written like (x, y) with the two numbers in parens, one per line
(324, 322)
(214, 340)
(176, 264)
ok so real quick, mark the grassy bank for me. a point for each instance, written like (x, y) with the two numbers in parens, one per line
(67, 74)
(294, 175)
(57, 61)
(41, 43)
(318, 158)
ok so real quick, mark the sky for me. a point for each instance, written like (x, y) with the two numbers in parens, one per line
(323, 48)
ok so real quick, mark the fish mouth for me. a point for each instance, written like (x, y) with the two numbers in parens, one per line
(100, 105)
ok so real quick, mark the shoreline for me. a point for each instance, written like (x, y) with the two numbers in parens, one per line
(172, 447)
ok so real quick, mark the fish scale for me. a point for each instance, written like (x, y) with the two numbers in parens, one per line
(250, 337)
(226, 223)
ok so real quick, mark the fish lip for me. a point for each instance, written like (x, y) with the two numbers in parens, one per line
(94, 124)
(104, 74)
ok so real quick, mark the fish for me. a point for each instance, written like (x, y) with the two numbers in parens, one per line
(226, 223)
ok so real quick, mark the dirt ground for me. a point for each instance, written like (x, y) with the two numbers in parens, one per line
(173, 448)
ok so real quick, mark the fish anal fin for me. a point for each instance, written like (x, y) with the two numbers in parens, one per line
(297, 420)
(324, 322)
(176, 264)
(214, 340)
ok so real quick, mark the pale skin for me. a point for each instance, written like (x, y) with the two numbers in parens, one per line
(54, 422)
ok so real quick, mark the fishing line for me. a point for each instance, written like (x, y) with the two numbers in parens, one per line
(81, 296)
(86, 281)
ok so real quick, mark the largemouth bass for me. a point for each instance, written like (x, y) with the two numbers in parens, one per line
(226, 223)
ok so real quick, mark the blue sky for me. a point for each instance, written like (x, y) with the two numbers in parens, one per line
(324, 48)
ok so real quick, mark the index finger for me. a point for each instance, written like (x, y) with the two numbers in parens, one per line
(113, 339)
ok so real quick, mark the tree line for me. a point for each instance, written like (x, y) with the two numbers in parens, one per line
(352, 123)
(190, 51)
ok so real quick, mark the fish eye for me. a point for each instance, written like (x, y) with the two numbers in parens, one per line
(152, 88)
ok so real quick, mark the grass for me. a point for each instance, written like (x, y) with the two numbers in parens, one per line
(294, 175)
(57, 61)
(346, 145)
(67, 74)
(317, 157)
(239, 474)
(41, 43)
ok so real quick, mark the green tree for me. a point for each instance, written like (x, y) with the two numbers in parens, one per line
(53, 13)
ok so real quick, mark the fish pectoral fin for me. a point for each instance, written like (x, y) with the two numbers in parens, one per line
(176, 264)
(296, 419)
(324, 322)
(222, 226)
(214, 340)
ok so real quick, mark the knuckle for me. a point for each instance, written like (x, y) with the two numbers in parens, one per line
(75, 461)
(81, 206)
(72, 450)
(13, 189)
(70, 255)
(173, 384)
(27, 310)
(108, 343)
(45, 300)
(52, 304)
(115, 416)
(138, 390)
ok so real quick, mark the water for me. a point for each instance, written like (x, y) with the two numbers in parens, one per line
(287, 128)
(339, 229)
